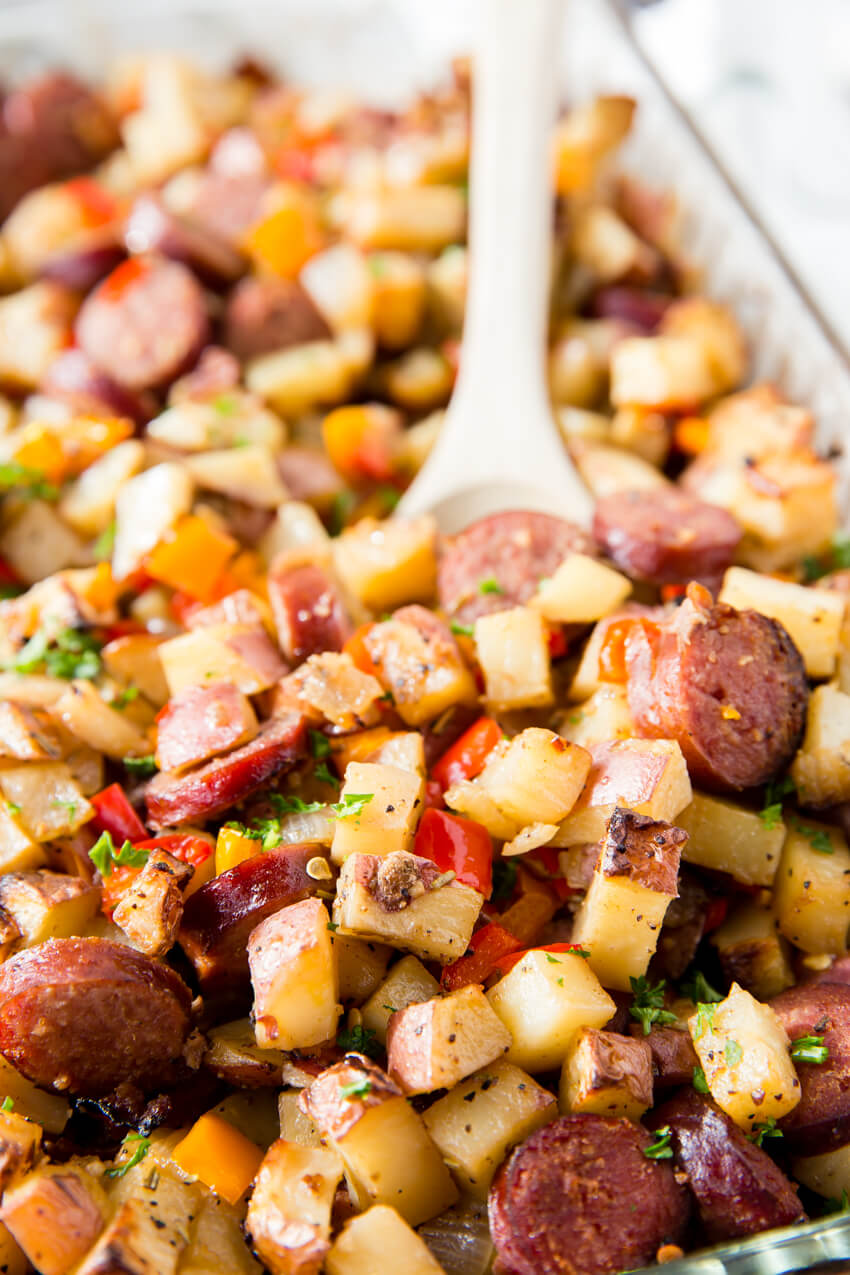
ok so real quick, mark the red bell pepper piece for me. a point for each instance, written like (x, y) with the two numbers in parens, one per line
(488, 945)
(186, 848)
(558, 644)
(467, 756)
(123, 277)
(116, 816)
(508, 961)
(457, 845)
(434, 795)
(715, 914)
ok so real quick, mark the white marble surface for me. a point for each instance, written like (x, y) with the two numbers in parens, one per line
(769, 83)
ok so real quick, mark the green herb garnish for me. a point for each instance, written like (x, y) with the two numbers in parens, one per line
(143, 1146)
(325, 775)
(490, 585)
(705, 1019)
(463, 630)
(104, 856)
(7, 1104)
(29, 484)
(320, 745)
(809, 1049)
(817, 838)
(648, 1004)
(504, 880)
(699, 1081)
(660, 1149)
(125, 697)
(698, 989)
(68, 654)
(765, 1129)
(143, 767)
(351, 805)
(360, 1040)
(105, 543)
(733, 1053)
(357, 1088)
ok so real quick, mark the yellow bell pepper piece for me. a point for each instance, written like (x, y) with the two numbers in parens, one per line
(232, 848)
(287, 237)
(192, 558)
(222, 1157)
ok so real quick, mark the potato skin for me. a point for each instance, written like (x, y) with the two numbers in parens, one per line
(86, 1015)
(738, 1188)
(821, 1120)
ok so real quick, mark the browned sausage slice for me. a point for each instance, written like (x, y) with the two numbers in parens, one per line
(152, 227)
(308, 610)
(73, 378)
(674, 1058)
(821, 1120)
(666, 536)
(738, 1188)
(512, 551)
(145, 323)
(264, 315)
(86, 1015)
(581, 1198)
(220, 783)
(200, 722)
(215, 372)
(637, 306)
(84, 263)
(63, 121)
(728, 685)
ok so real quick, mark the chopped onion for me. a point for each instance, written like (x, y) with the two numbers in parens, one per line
(300, 827)
(460, 1240)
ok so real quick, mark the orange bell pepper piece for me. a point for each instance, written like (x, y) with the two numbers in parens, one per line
(231, 849)
(691, 435)
(287, 237)
(193, 558)
(222, 1157)
(359, 440)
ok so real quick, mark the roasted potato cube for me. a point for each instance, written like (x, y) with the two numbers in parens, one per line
(151, 908)
(635, 880)
(436, 1044)
(20, 1145)
(134, 661)
(670, 373)
(536, 777)
(384, 1145)
(585, 135)
(242, 654)
(46, 801)
(302, 377)
(607, 1075)
(289, 1217)
(646, 776)
(827, 1174)
(419, 663)
(55, 1214)
(743, 1050)
(406, 218)
(295, 1126)
(811, 895)
(27, 735)
(48, 905)
(146, 508)
(293, 973)
(88, 503)
(821, 769)
(603, 243)
(217, 1243)
(513, 651)
(580, 591)
(715, 328)
(147, 1232)
(408, 983)
(398, 298)
(13, 1259)
(331, 686)
(544, 1001)
(50, 1110)
(234, 1055)
(643, 431)
(405, 901)
(813, 617)
(479, 1120)
(389, 563)
(387, 821)
(18, 851)
(602, 718)
(361, 967)
(380, 1238)
(606, 470)
(82, 710)
(752, 953)
(726, 837)
(247, 473)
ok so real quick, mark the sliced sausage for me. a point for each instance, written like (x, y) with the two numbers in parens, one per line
(73, 378)
(85, 1015)
(665, 536)
(218, 918)
(215, 372)
(200, 722)
(308, 610)
(82, 265)
(309, 475)
(264, 315)
(152, 227)
(738, 1188)
(637, 306)
(220, 783)
(673, 1055)
(579, 1197)
(837, 972)
(821, 1120)
(68, 125)
(229, 206)
(728, 685)
(682, 929)
(145, 323)
(512, 551)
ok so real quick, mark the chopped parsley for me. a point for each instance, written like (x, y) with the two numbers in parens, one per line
(68, 654)
(660, 1149)
(834, 559)
(705, 1019)
(733, 1053)
(325, 775)
(320, 745)
(28, 483)
(504, 880)
(69, 806)
(332, 926)
(648, 1004)
(553, 960)
(7, 1104)
(818, 838)
(105, 543)
(125, 697)
(143, 767)
(774, 794)
(765, 1129)
(832, 1205)
(13, 808)
(360, 1040)
(225, 404)
(389, 497)
(104, 856)
(463, 630)
(699, 1081)
(341, 508)
(351, 805)
(357, 1088)
(143, 1146)
(809, 1049)
(293, 805)
(698, 989)
(490, 585)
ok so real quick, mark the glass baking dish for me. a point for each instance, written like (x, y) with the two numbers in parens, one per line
(384, 50)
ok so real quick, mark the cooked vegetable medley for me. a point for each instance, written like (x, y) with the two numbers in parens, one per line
(371, 901)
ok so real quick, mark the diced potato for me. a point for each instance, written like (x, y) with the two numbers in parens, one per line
(146, 507)
(813, 617)
(55, 1214)
(134, 661)
(330, 685)
(49, 1110)
(648, 776)
(20, 1146)
(293, 973)
(607, 1075)
(302, 377)
(579, 423)
(93, 722)
(289, 1217)
(715, 328)
(36, 543)
(390, 563)
(35, 326)
(634, 882)
(406, 218)
(48, 905)
(419, 663)
(220, 1155)
(50, 804)
(607, 470)
(217, 1242)
(821, 769)
(380, 1239)
(643, 431)
(605, 716)
(436, 1044)
(252, 1112)
(586, 680)
(361, 967)
(580, 591)
(530, 838)
(341, 285)
(419, 380)
(18, 851)
(536, 777)
(827, 1174)
(603, 243)
(752, 953)
(513, 650)
(404, 749)
(247, 473)
(239, 653)
(670, 373)
(398, 298)
(295, 1126)
(756, 422)
(585, 135)
(387, 821)
(544, 1001)
(476, 1123)
(297, 530)
(151, 907)
(13, 1259)
(726, 837)
(407, 983)
(743, 1050)
(811, 894)
(447, 280)
(233, 1054)
(576, 372)
(232, 420)
(88, 503)
(167, 132)
(405, 901)
(385, 1147)
(147, 1230)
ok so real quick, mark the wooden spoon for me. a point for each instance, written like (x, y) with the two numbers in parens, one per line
(499, 447)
